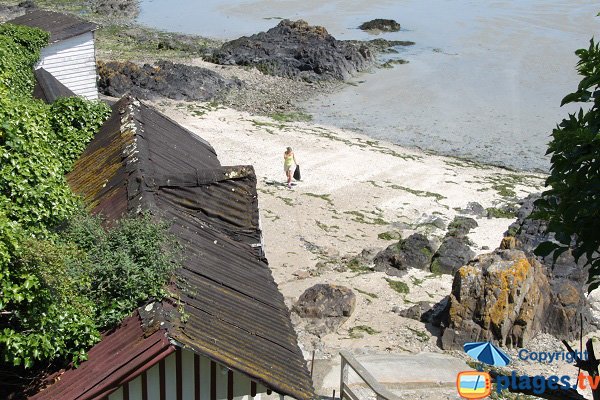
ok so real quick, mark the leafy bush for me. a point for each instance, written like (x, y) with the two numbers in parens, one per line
(572, 204)
(126, 266)
(42, 317)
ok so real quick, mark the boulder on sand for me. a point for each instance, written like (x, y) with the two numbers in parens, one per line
(415, 251)
(452, 254)
(325, 307)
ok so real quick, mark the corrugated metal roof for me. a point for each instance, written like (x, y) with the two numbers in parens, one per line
(48, 88)
(141, 160)
(121, 355)
(60, 26)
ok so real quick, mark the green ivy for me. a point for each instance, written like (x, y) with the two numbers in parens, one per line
(19, 50)
(74, 121)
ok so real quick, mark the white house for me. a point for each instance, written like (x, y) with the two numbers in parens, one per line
(70, 55)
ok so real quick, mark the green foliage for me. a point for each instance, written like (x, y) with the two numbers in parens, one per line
(42, 316)
(355, 265)
(126, 266)
(356, 332)
(502, 212)
(19, 50)
(398, 286)
(57, 290)
(75, 120)
(572, 204)
(291, 117)
(38, 143)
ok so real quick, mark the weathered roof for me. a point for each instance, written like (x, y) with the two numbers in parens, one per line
(60, 26)
(141, 160)
(48, 88)
(121, 355)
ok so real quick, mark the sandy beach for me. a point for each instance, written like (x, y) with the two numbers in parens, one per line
(353, 189)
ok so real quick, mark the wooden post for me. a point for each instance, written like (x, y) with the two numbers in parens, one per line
(342, 367)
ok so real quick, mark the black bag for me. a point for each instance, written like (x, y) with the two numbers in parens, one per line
(297, 173)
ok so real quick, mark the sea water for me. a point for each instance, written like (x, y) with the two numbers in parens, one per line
(484, 80)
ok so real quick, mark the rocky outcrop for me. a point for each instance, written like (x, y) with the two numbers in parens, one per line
(164, 79)
(509, 296)
(325, 307)
(455, 250)
(415, 251)
(296, 50)
(567, 277)
(502, 296)
(378, 24)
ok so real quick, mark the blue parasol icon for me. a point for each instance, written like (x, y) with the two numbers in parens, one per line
(487, 353)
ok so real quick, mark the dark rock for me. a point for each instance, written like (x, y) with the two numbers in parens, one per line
(385, 25)
(474, 208)
(461, 226)
(174, 81)
(386, 46)
(295, 50)
(452, 254)
(27, 4)
(415, 251)
(325, 307)
(510, 297)
(435, 314)
(414, 312)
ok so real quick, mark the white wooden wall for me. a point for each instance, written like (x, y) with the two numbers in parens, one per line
(73, 63)
(134, 389)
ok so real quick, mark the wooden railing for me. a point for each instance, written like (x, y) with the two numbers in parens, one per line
(348, 361)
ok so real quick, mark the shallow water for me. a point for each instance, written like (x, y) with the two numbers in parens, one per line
(485, 79)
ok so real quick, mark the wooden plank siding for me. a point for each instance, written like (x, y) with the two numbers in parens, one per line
(73, 63)
(184, 375)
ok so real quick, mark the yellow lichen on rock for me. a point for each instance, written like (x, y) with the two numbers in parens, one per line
(508, 280)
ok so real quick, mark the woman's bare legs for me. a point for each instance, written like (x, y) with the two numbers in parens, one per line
(289, 177)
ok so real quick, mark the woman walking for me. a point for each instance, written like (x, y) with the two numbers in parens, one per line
(289, 162)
